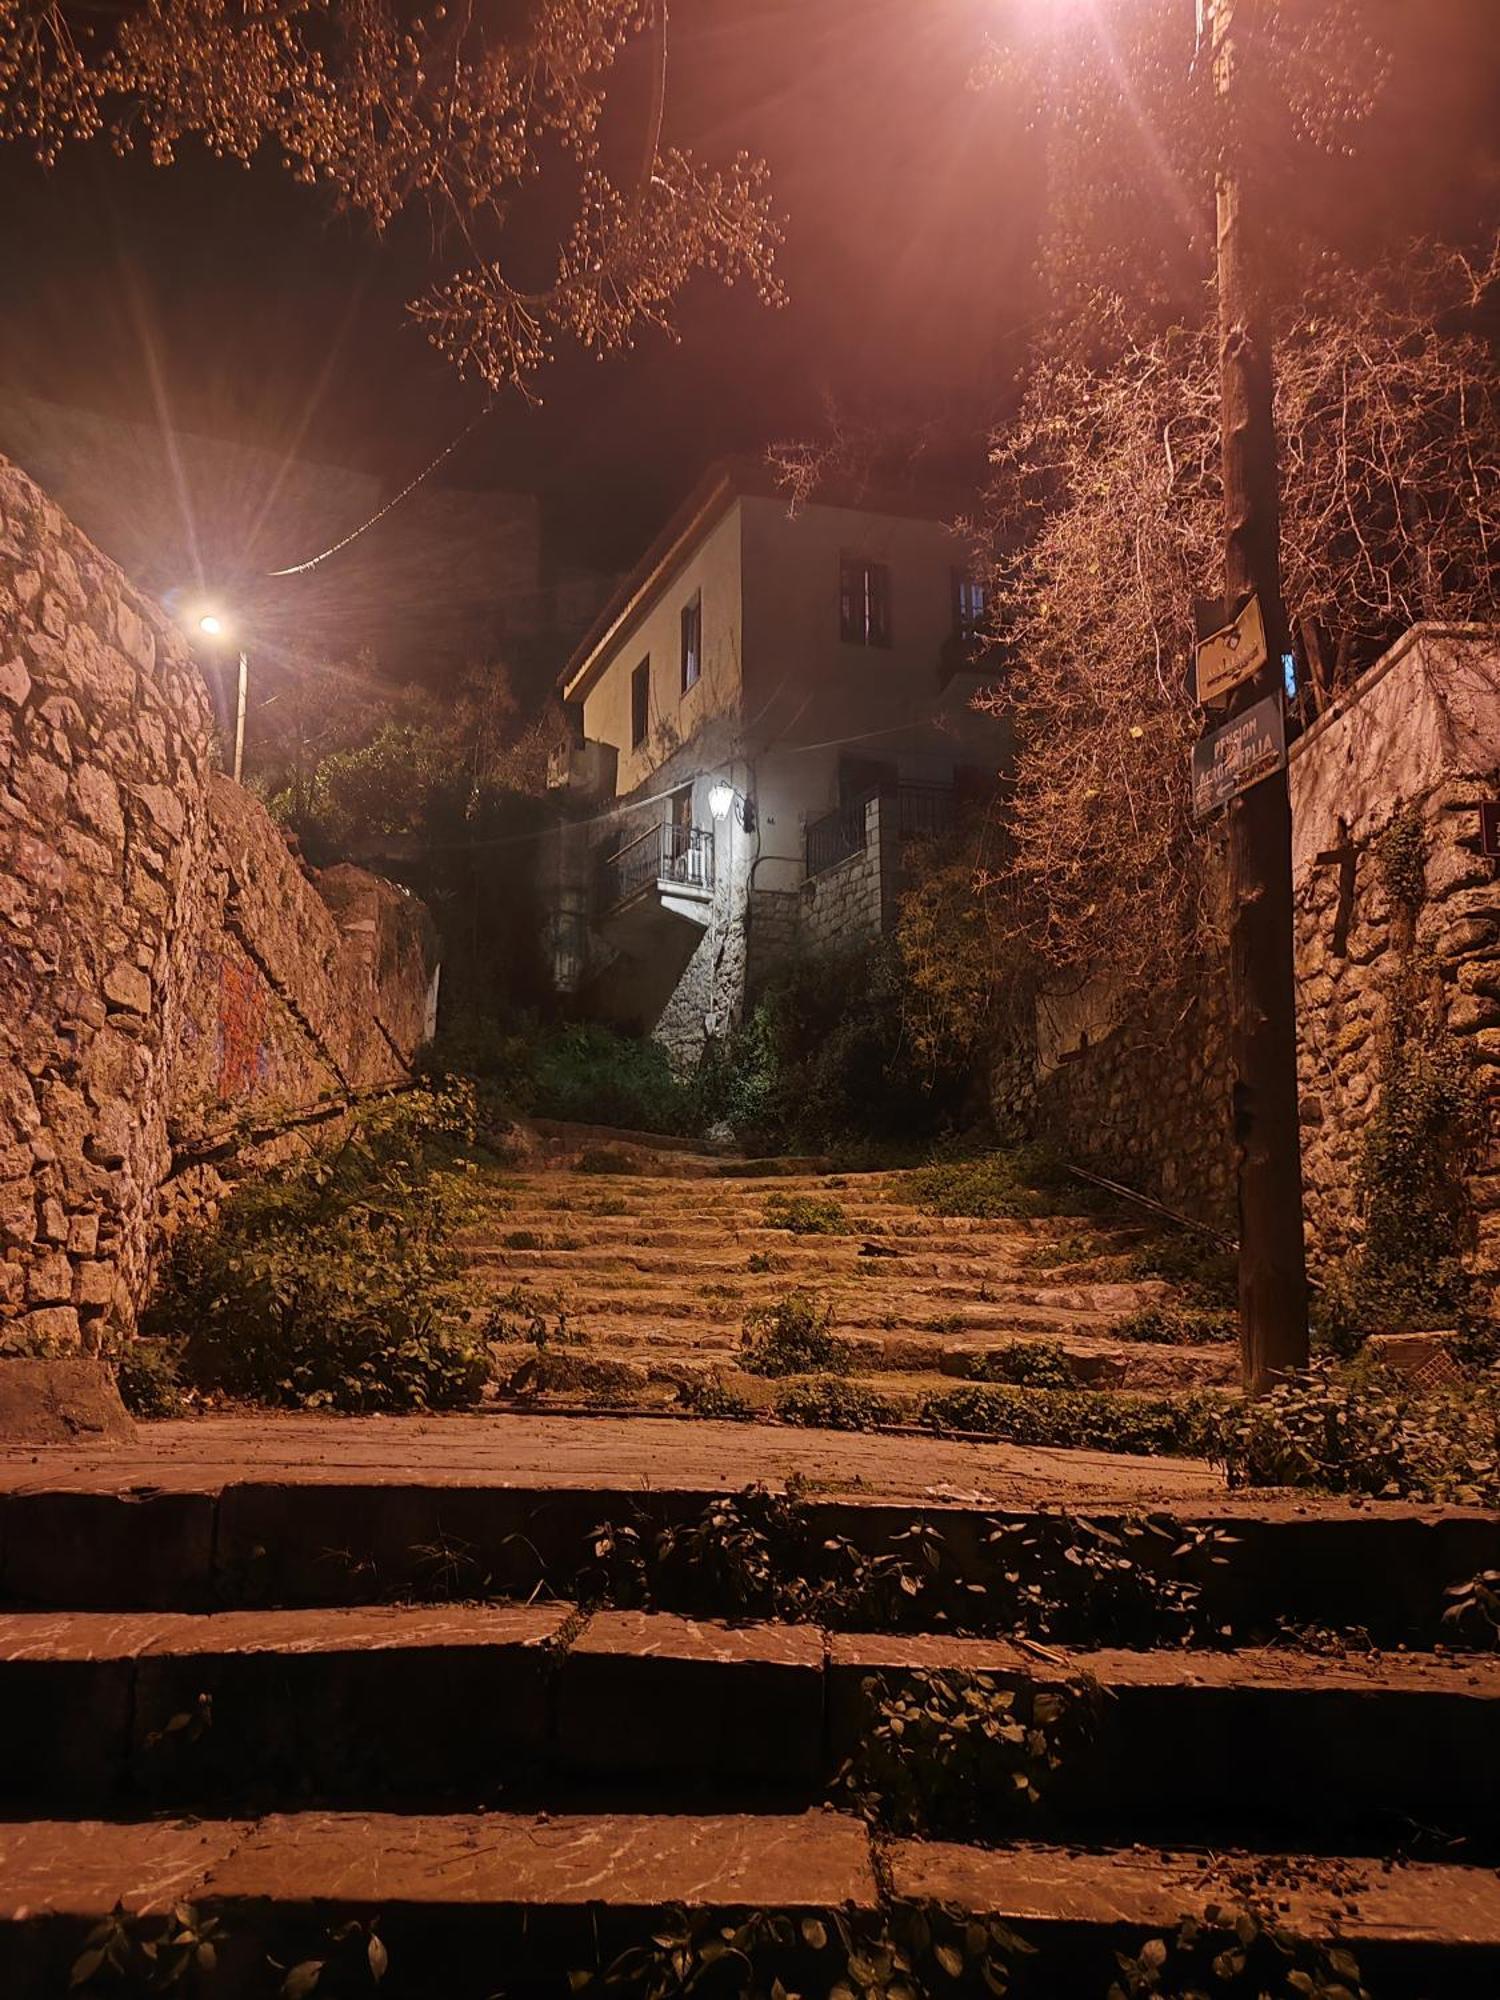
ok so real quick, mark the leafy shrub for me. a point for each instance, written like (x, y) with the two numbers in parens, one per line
(1035, 1364)
(521, 1239)
(332, 1284)
(947, 1754)
(834, 1405)
(764, 1261)
(1178, 1326)
(1203, 1272)
(148, 1374)
(1087, 1419)
(806, 1214)
(1376, 1434)
(586, 1074)
(1023, 1181)
(825, 1060)
(711, 1397)
(603, 1160)
(793, 1337)
(594, 1076)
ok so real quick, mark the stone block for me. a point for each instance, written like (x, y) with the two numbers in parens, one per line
(348, 1703)
(108, 1550)
(49, 1279)
(15, 682)
(702, 1699)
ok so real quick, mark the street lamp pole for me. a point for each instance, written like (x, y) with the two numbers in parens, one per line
(239, 717)
(1263, 1017)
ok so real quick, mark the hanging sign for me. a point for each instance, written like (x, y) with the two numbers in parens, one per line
(1231, 656)
(1489, 830)
(1231, 759)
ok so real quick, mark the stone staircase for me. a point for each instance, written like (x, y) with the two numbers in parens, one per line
(639, 1280)
(358, 1719)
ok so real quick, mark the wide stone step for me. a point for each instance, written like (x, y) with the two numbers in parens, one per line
(1420, 1930)
(471, 1702)
(311, 1510)
(452, 1898)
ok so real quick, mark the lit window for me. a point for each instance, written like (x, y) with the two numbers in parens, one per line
(864, 602)
(692, 640)
(640, 703)
(970, 603)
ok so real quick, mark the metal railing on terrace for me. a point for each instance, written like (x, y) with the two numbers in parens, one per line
(663, 856)
(910, 812)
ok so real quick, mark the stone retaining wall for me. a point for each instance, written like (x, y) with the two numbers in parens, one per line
(165, 965)
(1141, 1084)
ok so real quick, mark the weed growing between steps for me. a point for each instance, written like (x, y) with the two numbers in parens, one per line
(806, 1215)
(761, 1555)
(1024, 1181)
(905, 1950)
(793, 1337)
(1178, 1326)
(1473, 1614)
(956, 1756)
(1027, 1364)
(333, 1284)
(1367, 1431)
(1081, 1419)
(833, 1405)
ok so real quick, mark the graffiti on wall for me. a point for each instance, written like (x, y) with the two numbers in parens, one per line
(244, 1048)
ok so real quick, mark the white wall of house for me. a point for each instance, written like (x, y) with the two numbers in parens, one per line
(655, 632)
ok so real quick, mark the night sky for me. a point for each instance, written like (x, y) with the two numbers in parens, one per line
(238, 305)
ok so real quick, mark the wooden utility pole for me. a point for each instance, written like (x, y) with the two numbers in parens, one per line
(1263, 1013)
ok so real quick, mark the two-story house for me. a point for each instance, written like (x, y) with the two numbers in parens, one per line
(772, 706)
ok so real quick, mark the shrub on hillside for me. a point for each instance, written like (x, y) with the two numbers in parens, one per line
(1022, 1181)
(332, 1284)
(586, 1074)
(148, 1375)
(1367, 1432)
(825, 1060)
(793, 1337)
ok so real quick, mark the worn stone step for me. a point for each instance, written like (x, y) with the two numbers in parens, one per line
(318, 1510)
(1295, 1745)
(460, 1701)
(1419, 1930)
(459, 1900)
(454, 1897)
(100, 1708)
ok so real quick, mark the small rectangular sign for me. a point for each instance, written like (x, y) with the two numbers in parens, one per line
(1489, 830)
(1230, 657)
(1232, 758)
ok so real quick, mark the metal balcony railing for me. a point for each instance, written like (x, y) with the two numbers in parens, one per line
(670, 856)
(910, 812)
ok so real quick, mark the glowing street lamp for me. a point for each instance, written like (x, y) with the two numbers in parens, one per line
(213, 626)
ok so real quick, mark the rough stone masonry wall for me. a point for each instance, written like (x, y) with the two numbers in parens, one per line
(849, 905)
(152, 929)
(1140, 1083)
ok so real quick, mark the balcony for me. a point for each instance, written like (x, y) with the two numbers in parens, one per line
(667, 868)
(907, 812)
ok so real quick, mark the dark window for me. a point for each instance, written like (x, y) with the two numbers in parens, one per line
(864, 602)
(970, 602)
(640, 703)
(692, 640)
